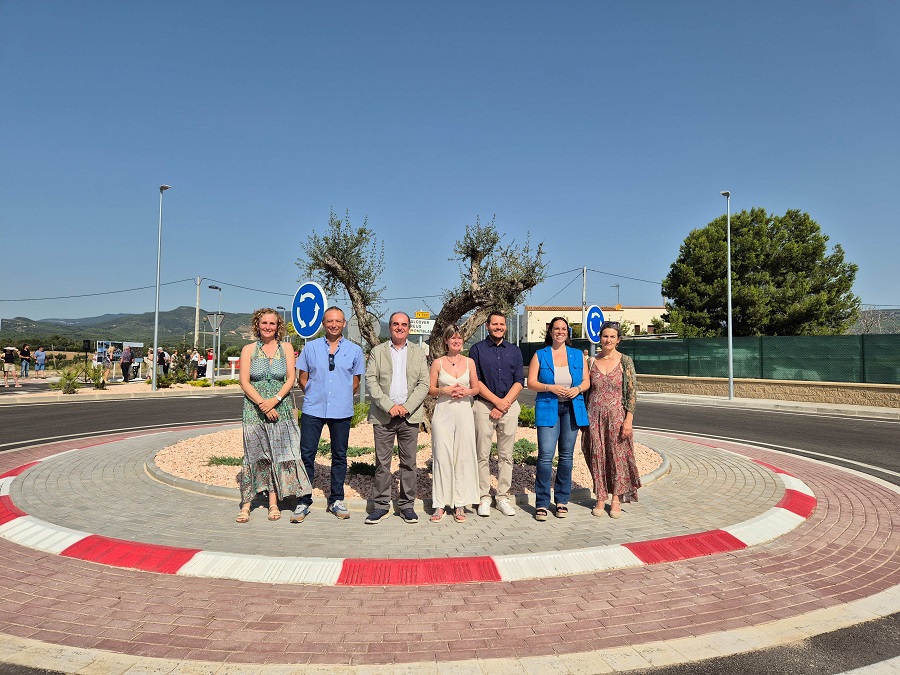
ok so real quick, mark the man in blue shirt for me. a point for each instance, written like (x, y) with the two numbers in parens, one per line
(329, 370)
(498, 364)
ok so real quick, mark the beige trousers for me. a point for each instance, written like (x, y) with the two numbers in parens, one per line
(505, 428)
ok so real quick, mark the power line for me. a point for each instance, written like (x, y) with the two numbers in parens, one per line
(574, 279)
(89, 295)
(622, 276)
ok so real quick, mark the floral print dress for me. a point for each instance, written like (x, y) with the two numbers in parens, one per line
(609, 457)
(271, 449)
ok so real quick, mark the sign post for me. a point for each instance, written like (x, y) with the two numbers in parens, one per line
(592, 324)
(215, 320)
(308, 309)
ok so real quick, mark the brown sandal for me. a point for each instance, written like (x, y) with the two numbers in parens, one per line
(244, 515)
(274, 513)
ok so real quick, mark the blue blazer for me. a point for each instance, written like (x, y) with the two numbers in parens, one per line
(546, 408)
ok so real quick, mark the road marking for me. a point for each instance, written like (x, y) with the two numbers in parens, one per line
(732, 408)
(759, 444)
(38, 441)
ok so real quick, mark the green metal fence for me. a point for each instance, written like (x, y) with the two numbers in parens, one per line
(831, 358)
(827, 358)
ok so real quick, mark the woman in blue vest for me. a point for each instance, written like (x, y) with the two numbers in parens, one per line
(558, 374)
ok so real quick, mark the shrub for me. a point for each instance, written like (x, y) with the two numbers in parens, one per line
(96, 375)
(523, 450)
(218, 460)
(199, 383)
(526, 416)
(225, 383)
(361, 469)
(360, 413)
(68, 380)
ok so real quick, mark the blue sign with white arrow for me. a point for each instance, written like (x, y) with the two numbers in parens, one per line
(308, 309)
(592, 322)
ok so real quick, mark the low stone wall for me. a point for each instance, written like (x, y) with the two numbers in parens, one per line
(882, 395)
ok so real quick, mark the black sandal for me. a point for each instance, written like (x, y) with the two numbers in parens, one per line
(540, 514)
(562, 510)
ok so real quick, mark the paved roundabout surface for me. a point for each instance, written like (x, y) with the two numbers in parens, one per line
(807, 548)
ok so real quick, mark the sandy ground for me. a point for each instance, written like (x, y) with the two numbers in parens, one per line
(189, 459)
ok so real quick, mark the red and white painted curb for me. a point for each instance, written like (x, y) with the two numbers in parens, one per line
(18, 527)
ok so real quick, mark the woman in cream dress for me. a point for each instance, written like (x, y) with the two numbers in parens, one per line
(454, 463)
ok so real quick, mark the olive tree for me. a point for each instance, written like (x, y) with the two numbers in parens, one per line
(351, 258)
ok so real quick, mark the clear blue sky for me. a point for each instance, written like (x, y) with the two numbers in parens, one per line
(604, 129)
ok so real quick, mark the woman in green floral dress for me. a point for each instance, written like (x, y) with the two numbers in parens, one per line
(271, 435)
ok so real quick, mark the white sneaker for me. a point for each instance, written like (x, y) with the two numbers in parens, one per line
(484, 507)
(504, 507)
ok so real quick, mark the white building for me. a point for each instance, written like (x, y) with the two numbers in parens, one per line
(537, 318)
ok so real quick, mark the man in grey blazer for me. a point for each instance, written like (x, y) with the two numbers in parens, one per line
(397, 378)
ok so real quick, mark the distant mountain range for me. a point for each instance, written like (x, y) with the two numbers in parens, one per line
(176, 327)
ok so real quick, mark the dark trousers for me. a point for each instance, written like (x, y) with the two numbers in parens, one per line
(407, 436)
(126, 370)
(310, 433)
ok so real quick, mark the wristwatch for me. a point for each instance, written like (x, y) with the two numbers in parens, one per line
(278, 398)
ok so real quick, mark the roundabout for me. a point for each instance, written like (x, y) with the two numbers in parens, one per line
(809, 549)
(774, 502)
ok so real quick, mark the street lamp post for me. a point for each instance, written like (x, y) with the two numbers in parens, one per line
(162, 188)
(727, 195)
(283, 314)
(217, 338)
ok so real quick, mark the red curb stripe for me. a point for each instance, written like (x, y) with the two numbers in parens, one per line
(18, 470)
(415, 572)
(773, 468)
(9, 511)
(797, 502)
(121, 553)
(670, 549)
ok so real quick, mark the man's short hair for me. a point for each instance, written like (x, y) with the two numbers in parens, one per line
(391, 318)
(496, 313)
(335, 308)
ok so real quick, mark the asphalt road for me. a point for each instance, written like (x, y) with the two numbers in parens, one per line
(868, 445)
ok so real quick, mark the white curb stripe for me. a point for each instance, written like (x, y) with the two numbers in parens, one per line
(770, 525)
(322, 571)
(564, 563)
(5, 483)
(33, 533)
(792, 483)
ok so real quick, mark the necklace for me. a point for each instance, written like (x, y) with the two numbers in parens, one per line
(454, 363)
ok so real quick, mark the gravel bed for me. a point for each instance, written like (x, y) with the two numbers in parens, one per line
(190, 458)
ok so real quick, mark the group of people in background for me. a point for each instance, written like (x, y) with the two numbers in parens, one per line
(18, 363)
(475, 400)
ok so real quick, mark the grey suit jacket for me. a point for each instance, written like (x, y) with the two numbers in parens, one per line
(379, 372)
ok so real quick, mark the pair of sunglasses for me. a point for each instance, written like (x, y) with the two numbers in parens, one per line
(331, 362)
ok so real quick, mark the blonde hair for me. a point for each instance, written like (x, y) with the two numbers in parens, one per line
(258, 314)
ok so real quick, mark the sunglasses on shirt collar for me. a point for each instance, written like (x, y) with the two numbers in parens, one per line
(331, 362)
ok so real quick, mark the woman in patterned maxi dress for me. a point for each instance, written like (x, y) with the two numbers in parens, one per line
(609, 444)
(271, 436)
(454, 461)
